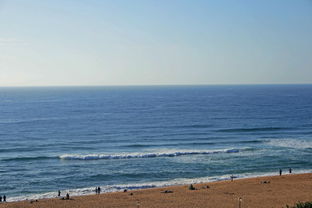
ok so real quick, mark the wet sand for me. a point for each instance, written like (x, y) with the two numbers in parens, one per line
(264, 192)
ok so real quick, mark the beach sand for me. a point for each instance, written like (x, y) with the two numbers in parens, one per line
(272, 191)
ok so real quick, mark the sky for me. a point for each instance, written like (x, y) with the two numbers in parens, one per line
(155, 42)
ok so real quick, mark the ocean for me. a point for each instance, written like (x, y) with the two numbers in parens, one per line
(74, 139)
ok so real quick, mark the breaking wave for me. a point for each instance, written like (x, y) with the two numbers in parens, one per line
(143, 155)
(291, 143)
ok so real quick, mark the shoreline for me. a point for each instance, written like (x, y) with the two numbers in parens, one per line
(263, 191)
(87, 191)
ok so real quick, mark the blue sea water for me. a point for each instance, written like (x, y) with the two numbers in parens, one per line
(76, 138)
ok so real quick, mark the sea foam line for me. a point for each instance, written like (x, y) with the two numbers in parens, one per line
(143, 155)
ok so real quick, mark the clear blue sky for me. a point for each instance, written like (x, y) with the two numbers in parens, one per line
(151, 42)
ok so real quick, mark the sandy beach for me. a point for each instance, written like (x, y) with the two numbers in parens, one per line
(271, 191)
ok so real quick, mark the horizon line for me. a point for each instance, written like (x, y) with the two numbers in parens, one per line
(150, 85)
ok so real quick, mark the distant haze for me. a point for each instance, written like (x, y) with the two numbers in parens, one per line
(155, 42)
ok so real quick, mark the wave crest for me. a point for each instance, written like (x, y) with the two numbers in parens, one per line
(143, 155)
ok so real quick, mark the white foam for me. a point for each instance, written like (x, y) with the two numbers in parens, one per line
(144, 155)
(291, 143)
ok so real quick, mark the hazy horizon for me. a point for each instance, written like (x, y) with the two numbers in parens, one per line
(155, 85)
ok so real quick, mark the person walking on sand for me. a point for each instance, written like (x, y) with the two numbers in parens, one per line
(67, 196)
(59, 193)
(98, 190)
(280, 172)
(290, 170)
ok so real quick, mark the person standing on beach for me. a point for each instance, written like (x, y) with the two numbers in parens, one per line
(0, 198)
(4, 198)
(59, 193)
(280, 172)
(98, 190)
(290, 170)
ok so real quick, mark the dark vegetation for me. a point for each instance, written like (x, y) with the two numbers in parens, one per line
(301, 205)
